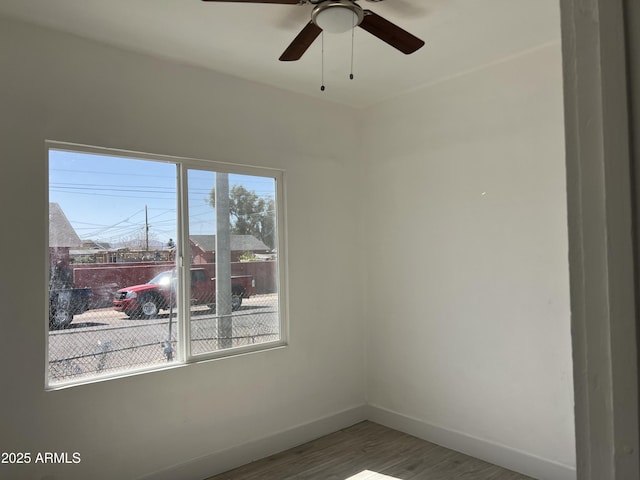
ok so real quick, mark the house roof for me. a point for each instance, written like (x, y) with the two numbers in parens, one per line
(95, 245)
(61, 233)
(244, 243)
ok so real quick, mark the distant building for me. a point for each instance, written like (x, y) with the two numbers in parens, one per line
(62, 236)
(65, 245)
(94, 245)
(203, 247)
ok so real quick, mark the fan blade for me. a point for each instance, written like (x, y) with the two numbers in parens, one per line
(390, 33)
(288, 2)
(301, 43)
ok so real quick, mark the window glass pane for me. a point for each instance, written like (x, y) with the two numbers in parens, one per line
(233, 240)
(112, 244)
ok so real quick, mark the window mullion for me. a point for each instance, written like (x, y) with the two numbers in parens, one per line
(183, 266)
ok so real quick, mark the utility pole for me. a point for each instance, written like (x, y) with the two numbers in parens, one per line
(146, 229)
(223, 262)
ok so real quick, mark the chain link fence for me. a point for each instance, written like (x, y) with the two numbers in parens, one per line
(102, 340)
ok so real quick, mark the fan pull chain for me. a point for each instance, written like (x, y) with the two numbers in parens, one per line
(322, 62)
(353, 31)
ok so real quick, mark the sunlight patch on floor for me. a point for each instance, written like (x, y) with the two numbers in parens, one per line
(369, 475)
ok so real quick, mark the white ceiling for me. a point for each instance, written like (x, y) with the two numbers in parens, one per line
(245, 40)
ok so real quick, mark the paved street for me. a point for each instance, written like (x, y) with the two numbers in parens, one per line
(103, 339)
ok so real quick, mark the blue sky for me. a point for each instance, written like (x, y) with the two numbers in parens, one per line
(104, 197)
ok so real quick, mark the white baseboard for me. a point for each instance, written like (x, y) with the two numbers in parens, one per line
(233, 457)
(494, 453)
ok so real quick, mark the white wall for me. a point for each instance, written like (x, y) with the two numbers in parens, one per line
(55, 86)
(467, 303)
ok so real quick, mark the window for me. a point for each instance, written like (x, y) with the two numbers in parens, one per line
(155, 261)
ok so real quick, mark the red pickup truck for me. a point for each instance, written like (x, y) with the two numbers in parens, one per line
(146, 300)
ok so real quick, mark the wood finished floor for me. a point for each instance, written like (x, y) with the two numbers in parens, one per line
(372, 452)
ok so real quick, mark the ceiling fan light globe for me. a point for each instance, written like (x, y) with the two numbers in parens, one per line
(336, 20)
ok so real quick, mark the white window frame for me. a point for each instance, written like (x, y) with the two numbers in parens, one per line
(183, 356)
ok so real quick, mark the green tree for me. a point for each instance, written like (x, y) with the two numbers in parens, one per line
(250, 214)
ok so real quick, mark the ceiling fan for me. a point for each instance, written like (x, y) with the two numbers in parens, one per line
(340, 16)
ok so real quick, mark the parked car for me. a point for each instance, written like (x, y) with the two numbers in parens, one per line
(64, 303)
(159, 293)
